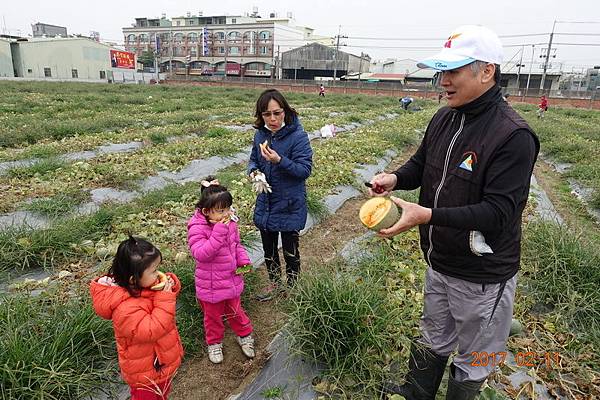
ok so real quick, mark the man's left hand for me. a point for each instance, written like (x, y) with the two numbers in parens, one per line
(412, 215)
(270, 155)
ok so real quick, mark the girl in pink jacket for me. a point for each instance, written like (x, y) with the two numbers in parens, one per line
(214, 242)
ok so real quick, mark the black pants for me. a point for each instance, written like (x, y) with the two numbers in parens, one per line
(291, 254)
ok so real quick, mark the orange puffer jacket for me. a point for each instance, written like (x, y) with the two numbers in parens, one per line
(148, 342)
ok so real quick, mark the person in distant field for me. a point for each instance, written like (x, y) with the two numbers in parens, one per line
(322, 90)
(542, 107)
(473, 168)
(405, 102)
(440, 97)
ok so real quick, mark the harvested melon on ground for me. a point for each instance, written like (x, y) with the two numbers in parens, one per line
(160, 282)
(378, 213)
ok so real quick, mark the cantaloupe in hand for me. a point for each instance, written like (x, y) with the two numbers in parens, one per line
(264, 145)
(160, 282)
(378, 213)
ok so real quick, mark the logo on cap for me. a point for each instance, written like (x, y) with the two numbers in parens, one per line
(448, 43)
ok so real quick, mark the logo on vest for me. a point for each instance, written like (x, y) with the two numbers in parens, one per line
(469, 161)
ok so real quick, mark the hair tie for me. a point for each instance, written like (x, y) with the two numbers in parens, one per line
(214, 182)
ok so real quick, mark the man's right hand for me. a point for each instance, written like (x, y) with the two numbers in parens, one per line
(387, 182)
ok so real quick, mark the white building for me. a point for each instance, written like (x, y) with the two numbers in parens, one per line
(250, 45)
(62, 58)
(6, 64)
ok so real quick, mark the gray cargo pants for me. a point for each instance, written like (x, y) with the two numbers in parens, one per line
(473, 316)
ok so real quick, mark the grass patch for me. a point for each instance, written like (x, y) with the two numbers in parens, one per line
(563, 269)
(42, 152)
(217, 131)
(25, 248)
(272, 393)
(358, 320)
(158, 137)
(53, 348)
(58, 205)
(40, 168)
(316, 207)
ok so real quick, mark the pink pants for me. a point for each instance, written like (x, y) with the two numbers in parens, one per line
(151, 393)
(213, 319)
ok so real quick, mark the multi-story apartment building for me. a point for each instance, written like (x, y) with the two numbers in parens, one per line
(46, 30)
(236, 45)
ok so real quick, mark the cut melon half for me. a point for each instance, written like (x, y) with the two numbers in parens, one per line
(378, 213)
(264, 145)
(160, 282)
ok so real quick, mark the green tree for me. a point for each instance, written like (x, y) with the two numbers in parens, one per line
(147, 58)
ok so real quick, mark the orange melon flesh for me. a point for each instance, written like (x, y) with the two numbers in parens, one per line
(264, 145)
(161, 281)
(378, 213)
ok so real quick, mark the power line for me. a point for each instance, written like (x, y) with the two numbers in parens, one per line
(577, 34)
(439, 38)
(578, 44)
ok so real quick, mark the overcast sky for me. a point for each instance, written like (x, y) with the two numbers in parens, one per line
(383, 20)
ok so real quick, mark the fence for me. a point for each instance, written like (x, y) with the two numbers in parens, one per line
(579, 99)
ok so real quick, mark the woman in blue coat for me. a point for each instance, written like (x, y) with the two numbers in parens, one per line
(286, 161)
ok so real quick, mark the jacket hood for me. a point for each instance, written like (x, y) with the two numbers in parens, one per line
(482, 103)
(107, 297)
(198, 219)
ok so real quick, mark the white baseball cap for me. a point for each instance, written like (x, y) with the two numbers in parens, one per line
(466, 44)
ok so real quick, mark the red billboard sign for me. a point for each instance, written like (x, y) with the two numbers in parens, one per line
(122, 59)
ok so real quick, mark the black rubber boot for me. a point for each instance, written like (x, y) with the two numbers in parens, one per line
(462, 390)
(424, 376)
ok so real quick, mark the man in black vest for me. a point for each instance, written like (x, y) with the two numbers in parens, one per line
(473, 166)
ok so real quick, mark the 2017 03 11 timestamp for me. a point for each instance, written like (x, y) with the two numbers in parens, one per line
(546, 359)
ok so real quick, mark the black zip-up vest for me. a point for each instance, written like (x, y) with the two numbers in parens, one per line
(460, 144)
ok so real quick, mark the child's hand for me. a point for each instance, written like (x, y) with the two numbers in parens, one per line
(169, 285)
(227, 217)
(244, 269)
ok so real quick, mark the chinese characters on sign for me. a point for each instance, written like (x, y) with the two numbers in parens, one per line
(122, 59)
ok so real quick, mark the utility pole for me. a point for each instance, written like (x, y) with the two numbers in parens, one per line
(547, 57)
(171, 52)
(360, 66)
(519, 71)
(337, 45)
(530, 64)
(278, 65)
(226, 49)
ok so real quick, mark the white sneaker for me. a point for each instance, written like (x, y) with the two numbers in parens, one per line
(215, 353)
(247, 345)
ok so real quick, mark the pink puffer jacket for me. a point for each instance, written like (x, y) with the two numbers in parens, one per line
(218, 252)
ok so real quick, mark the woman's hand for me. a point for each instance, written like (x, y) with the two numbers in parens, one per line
(270, 155)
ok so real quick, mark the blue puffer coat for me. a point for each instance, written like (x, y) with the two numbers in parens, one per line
(285, 209)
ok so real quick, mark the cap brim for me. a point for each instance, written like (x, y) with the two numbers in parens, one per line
(444, 65)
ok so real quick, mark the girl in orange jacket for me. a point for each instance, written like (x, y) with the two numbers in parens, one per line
(141, 303)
